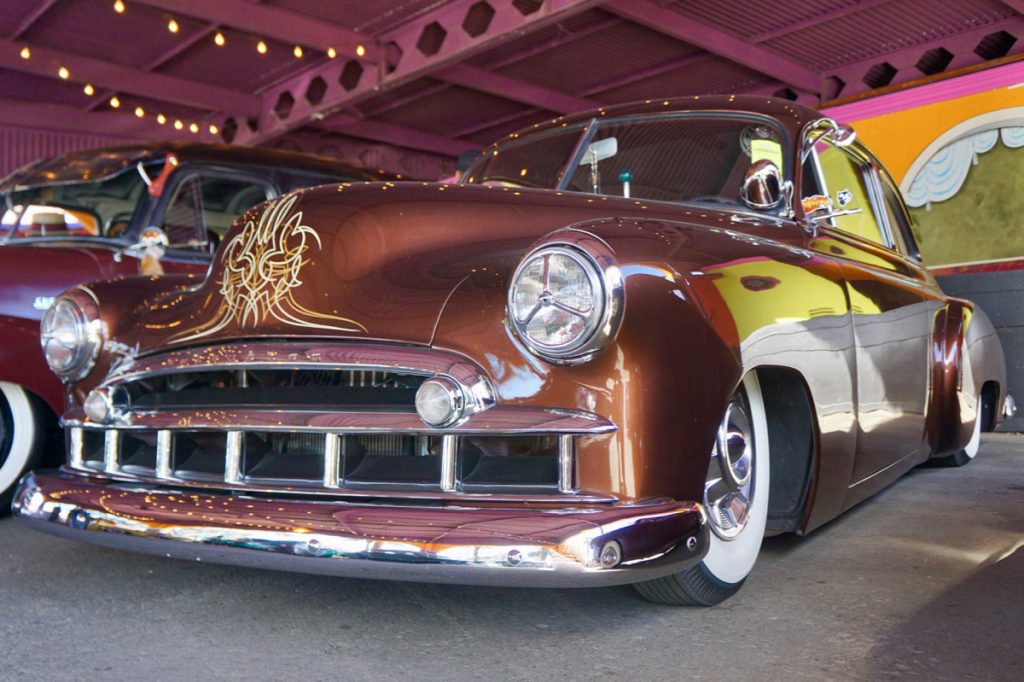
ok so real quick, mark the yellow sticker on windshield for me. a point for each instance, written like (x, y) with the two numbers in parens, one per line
(767, 150)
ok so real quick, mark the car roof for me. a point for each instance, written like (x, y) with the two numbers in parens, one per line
(94, 164)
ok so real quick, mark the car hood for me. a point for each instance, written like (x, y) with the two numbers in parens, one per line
(365, 261)
(34, 273)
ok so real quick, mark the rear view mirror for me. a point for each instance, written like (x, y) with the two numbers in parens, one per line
(600, 150)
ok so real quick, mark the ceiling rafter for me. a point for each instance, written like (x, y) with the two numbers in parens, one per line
(904, 59)
(507, 23)
(63, 118)
(31, 18)
(716, 41)
(271, 22)
(397, 135)
(1016, 5)
(46, 62)
(514, 89)
(558, 41)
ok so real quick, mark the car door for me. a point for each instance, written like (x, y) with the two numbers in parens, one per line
(199, 207)
(893, 303)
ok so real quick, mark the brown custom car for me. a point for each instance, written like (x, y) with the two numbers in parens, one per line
(102, 213)
(629, 345)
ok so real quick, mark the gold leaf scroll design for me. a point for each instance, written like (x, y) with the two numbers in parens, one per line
(261, 268)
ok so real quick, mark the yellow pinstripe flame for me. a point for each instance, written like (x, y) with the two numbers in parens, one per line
(261, 267)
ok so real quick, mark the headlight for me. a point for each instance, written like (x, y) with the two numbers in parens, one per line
(69, 340)
(563, 304)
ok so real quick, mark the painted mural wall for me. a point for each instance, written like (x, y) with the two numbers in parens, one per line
(957, 149)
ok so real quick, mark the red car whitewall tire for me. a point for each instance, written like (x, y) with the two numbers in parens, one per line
(20, 438)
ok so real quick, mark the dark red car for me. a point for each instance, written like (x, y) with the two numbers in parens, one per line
(108, 213)
(632, 343)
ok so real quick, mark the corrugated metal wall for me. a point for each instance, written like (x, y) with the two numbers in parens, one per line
(19, 146)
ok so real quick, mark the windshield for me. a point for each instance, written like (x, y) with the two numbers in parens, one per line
(103, 208)
(682, 157)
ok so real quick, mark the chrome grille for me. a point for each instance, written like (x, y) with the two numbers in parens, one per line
(304, 461)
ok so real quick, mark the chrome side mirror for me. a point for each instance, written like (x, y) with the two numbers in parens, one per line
(825, 129)
(763, 187)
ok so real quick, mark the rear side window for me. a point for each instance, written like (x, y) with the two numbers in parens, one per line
(205, 206)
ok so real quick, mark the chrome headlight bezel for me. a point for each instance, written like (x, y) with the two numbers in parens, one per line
(84, 331)
(605, 278)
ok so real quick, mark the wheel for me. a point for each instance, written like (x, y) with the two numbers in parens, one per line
(21, 438)
(969, 451)
(736, 502)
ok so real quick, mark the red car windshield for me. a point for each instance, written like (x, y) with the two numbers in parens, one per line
(681, 157)
(103, 208)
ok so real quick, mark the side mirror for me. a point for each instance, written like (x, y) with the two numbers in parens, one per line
(825, 129)
(763, 188)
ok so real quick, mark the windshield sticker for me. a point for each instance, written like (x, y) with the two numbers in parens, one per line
(766, 150)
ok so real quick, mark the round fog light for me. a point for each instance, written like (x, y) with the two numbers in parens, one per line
(611, 554)
(98, 406)
(439, 402)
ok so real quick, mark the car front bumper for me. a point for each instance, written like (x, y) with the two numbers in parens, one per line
(448, 541)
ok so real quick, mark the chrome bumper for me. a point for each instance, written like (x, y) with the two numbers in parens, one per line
(525, 545)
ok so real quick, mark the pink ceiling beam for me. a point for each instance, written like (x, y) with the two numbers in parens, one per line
(397, 135)
(514, 89)
(46, 62)
(818, 19)
(557, 41)
(716, 41)
(31, 18)
(410, 165)
(1016, 5)
(271, 22)
(414, 57)
(905, 59)
(72, 119)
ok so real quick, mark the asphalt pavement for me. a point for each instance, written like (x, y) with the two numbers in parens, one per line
(923, 581)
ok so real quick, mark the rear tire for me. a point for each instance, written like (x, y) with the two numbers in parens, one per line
(969, 451)
(21, 439)
(734, 545)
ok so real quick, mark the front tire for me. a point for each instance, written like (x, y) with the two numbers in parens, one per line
(21, 439)
(736, 502)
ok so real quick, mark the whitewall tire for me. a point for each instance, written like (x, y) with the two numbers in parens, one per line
(736, 502)
(20, 439)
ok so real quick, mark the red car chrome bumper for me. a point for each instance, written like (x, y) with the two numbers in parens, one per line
(526, 545)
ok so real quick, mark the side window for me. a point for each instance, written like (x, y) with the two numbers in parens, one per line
(899, 220)
(204, 207)
(846, 185)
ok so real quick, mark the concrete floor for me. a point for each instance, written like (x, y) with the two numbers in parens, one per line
(924, 581)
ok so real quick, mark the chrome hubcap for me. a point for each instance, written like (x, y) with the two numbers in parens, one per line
(729, 486)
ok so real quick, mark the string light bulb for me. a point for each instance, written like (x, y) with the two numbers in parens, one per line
(297, 52)
(25, 52)
(63, 73)
(214, 129)
(172, 26)
(178, 125)
(193, 128)
(161, 119)
(119, 6)
(88, 89)
(140, 112)
(360, 50)
(115, 102)
(219, 39)
(261, 47)
(331, 53)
